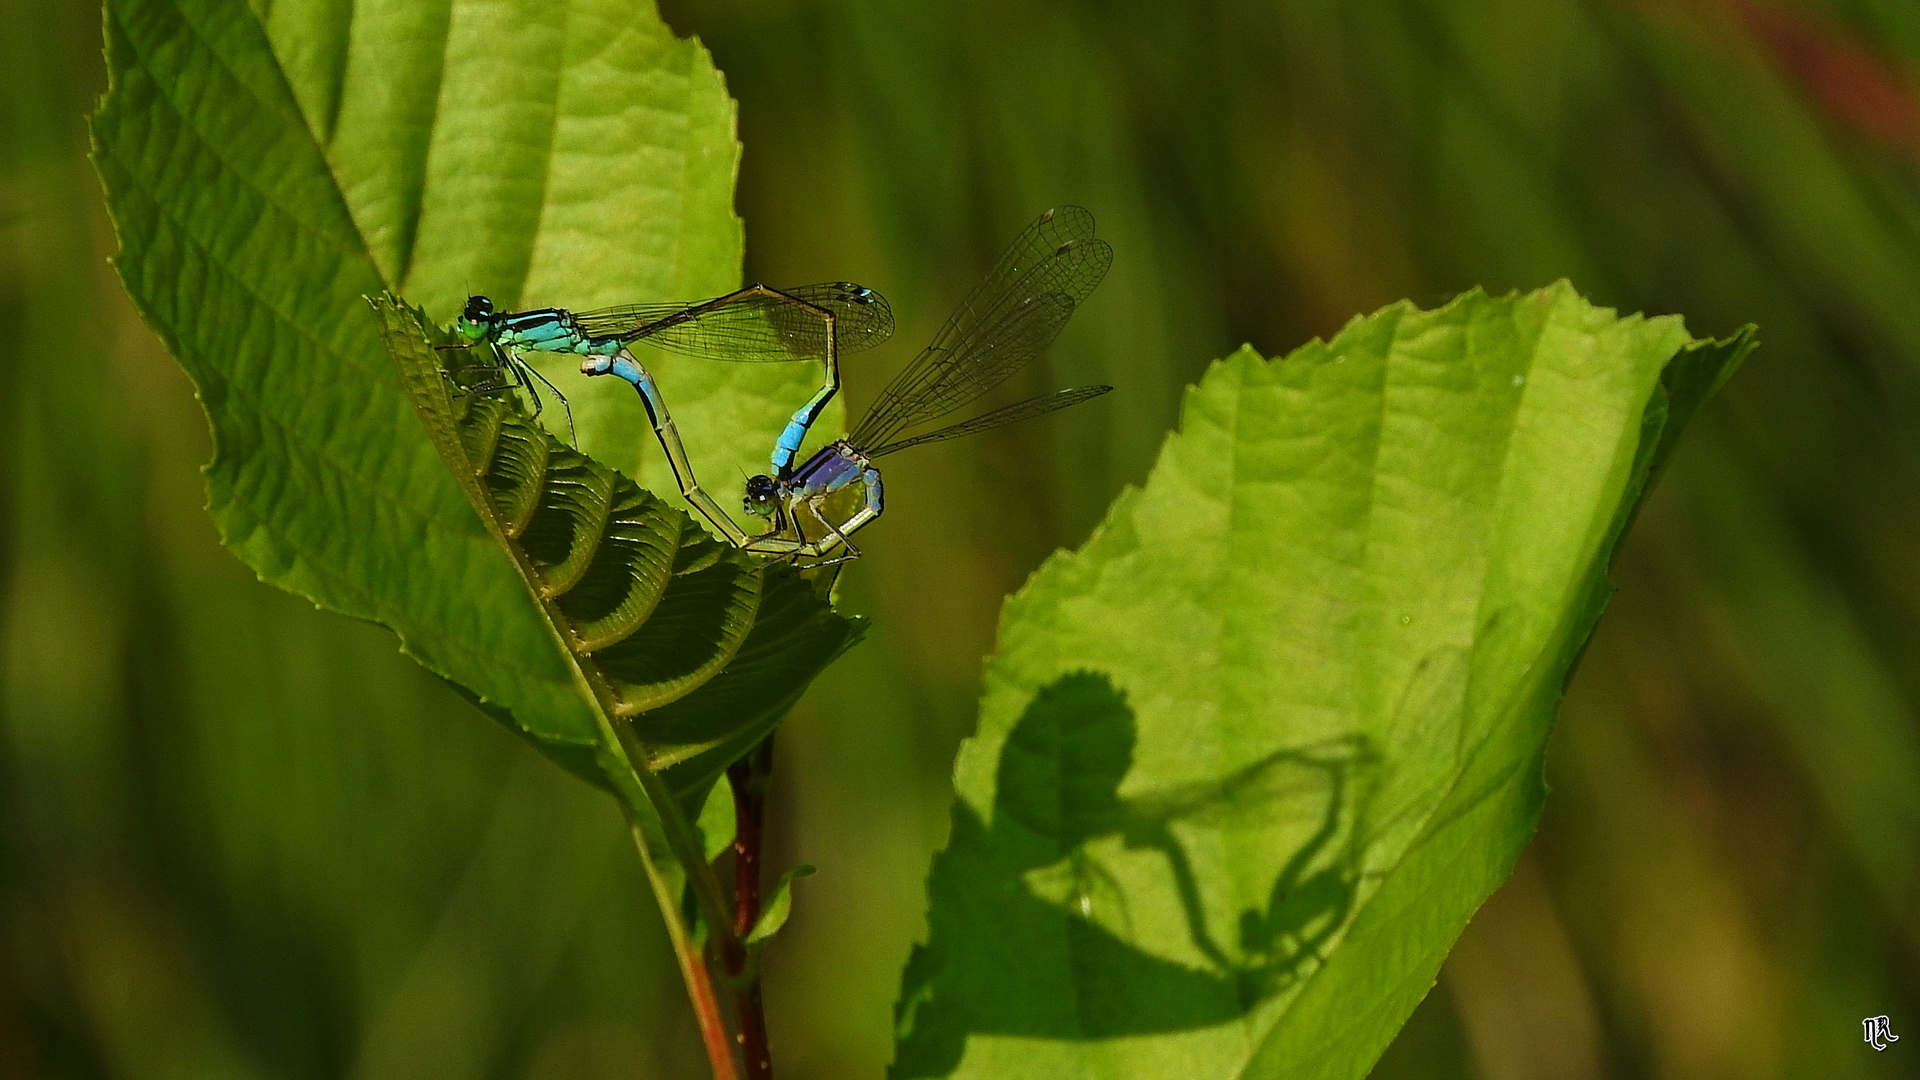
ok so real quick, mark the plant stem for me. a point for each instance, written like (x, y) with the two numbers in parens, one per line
(670, 847)
(681, 838)
(693, 968)
(749, 777)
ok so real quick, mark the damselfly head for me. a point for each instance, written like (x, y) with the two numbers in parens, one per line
(763, 495)
(476, 320)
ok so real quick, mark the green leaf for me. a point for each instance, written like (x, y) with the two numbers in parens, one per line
(779, 905)
(717, 821)
(1249, 760)
(648, 610)
(267, 167)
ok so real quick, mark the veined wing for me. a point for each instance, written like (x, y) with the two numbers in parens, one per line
(1057, 253)
(752, 326)
(944, 382)
(1004, 324)
(1012, 414)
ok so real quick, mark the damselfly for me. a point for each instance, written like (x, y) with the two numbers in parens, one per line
(754, 325)
(1002, 326)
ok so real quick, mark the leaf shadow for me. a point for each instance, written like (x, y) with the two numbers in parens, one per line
(1033, 933)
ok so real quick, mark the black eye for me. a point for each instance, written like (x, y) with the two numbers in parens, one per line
(479, 309)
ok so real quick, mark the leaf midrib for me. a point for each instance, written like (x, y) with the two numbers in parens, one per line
(1434, 821)
(304, 124)
(409, 223)
(429, 523)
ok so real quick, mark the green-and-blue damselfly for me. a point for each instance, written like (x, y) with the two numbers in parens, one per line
(754, 325)
(1002, 326)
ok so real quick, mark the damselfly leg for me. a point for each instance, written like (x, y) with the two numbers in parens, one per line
(507, 372)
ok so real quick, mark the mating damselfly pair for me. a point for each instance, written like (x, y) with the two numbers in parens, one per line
(1003, 325)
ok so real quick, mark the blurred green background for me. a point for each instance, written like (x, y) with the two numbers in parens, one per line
(241, 838)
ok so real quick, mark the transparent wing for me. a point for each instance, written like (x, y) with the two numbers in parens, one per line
(1056, 254)
(753, 325)
(1004, 324)
(948, 381)
(1012, 414)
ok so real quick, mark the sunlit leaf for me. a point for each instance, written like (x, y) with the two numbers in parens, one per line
(269, 167)
(1250, 758)
(779, 905)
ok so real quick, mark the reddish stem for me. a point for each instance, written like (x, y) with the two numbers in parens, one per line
(693, 969)
(749, 777)
(706, 1009)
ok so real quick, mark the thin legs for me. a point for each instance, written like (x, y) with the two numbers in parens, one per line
(787, 446)
(522, 375)
(836, 535)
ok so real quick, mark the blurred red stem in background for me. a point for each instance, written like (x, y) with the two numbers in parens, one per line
(1860, 88)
